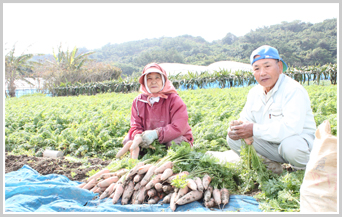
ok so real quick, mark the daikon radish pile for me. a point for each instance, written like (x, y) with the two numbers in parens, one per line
(148, 182)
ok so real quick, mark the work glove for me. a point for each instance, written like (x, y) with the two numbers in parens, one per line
(148, 137)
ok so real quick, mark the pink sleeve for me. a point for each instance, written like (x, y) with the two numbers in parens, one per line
(179, 121)
(136, 122)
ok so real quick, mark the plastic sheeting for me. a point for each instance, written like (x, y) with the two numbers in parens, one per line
(28, 191)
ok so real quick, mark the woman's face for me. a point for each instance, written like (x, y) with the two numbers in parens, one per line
(154, 82)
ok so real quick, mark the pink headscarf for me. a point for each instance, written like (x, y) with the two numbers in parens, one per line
(168, 87)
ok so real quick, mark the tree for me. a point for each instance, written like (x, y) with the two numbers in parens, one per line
(229, 38)
(68, 60)
(15, 68)
(66, 66)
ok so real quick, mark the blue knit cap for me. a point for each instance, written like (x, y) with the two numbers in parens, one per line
(267, 52)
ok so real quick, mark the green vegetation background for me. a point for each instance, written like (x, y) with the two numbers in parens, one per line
(95, 126)
(299, 44)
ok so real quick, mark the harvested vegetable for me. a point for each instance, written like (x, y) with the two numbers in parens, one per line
(98, 174)
(173, 201)
(163, 167)
(109, 190)
(210, 203)
(138, 177)
(128, 191)
(135, 169)
(82, 185)
(148, 175)
(167, 188)
(153, 182)
(151, 193)
(153, 200)
(95, 189)
(142, 195)
(189, 197)
(136, 142)
(118, 192)
(167, 198)
(143, 169)
(124, 149)
(121, 172)
(137, 186)
(206, 181)
(158, 186)
(135, 197)
(199, 184)
(90, 184)
(191, 184)
(224, 196)
(135, 153)
(182, 192)
(217, 196)
(208, 193)
(166, 174)
(107, 182)
(106, 176)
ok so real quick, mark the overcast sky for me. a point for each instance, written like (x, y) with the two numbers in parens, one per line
(39, 27)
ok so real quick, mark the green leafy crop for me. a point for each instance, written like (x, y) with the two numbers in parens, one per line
(95, 126)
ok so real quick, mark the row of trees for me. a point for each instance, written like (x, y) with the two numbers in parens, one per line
(191, 80)
(63, 68)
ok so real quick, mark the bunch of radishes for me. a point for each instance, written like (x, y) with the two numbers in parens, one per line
(149, 183)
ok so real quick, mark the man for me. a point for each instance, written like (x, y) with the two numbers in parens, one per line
(277, 118)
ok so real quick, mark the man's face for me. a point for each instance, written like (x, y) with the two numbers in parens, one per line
(267, 71)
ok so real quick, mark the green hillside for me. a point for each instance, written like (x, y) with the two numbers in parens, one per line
(299, 43)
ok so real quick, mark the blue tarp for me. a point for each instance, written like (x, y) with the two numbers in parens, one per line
(28, 191)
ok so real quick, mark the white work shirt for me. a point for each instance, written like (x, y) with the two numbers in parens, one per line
(283, 112)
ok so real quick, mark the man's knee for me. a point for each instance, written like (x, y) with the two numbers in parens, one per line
(295, 150)
(234, 145)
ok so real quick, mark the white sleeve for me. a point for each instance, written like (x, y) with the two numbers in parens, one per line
(246, 114)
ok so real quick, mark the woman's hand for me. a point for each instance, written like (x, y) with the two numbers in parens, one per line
(148, 137)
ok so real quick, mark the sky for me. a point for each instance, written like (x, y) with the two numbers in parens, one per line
(42, 27)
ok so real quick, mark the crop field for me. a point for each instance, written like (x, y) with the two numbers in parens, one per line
(94, 127)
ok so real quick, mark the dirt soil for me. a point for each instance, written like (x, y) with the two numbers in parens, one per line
(75, 171)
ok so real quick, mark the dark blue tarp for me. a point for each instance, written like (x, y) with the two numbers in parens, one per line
(28, 191)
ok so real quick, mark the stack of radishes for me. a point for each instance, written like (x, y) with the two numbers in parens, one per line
(148, 183)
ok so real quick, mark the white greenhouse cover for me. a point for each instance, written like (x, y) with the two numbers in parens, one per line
(178, 68)
(23, 85)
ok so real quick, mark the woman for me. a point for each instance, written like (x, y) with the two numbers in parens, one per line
(157, 113)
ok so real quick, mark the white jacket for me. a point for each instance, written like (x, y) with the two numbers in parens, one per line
(287, 112)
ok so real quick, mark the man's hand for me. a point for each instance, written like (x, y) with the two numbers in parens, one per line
(241, 130)
(148, 137)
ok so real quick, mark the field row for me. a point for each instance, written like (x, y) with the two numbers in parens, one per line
(95, 126)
